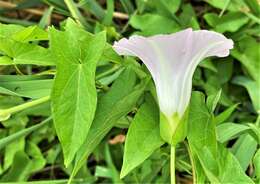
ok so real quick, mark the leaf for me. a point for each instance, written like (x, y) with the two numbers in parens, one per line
(257, 164)
(244, 150)
(6, 30)
(20, 169)
(217, 162)
(24, 86)
(201, 130)
(143, 137)
(212, 101)
(253, 89)
(167, 7)
(114, 172)
(115, 104)
(16, 145)
(223, 116)
(74, 95)
(24, 53)
(247, 52)
(229, 22)
(228, 131)
(31, 33)
(233, 5)
(7, 140)
(151, 24)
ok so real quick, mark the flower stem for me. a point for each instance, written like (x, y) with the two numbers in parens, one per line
(172, 164)
(6, 113)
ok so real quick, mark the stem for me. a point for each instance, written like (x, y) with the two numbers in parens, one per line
(173, 165)
(192, 163)
(6, 113)
(76, 13)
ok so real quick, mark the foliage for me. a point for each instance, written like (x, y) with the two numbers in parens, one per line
(72, 110)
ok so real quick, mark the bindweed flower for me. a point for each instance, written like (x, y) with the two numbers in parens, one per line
(172, 60)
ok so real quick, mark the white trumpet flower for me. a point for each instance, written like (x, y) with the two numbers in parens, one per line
(172, 60)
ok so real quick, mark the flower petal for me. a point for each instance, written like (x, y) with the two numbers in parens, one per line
(172, 60)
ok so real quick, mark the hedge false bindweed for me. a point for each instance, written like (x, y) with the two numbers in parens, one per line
(172, 60)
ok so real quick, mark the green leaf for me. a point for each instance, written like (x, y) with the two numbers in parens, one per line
(244, 150)
(223, 116)
(151, 24)
(25, 86)
(7, 30)
(7, 140)
(230, 22)
(76, 58)
(217, 162)
(143, 137)
(247, 52)
(25, 53)
(232, 5)
(16, 145)
(32, 33)
(253, 89)
(212, 101)
(201, 130)
(228, 131)
(20, 169)
(257, 164)
(115, 104)
(167, 7)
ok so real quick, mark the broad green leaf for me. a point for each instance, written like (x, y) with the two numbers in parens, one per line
(74, 95)
(25, 53)
(30, 87)
(188, 17)
(7, 30)
(244, 150)
(201, 130)
(227, 165)
(228, 131)
(143, 137)
(151, 24)
(217, 162)
(223, 116)
(232, 5)
(32, 33)
(253, 88)
(115, 104)
(229, 22)
(167, 7)
(247, 52)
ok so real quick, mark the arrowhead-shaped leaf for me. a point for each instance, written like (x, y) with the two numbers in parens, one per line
(74, 96)
(114, 105)
(143, 137)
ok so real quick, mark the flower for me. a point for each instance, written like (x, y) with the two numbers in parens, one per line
(172, 60)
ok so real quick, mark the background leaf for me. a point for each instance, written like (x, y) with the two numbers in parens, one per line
(74, 95)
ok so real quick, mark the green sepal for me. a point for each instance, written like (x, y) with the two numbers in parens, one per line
(174, 129)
